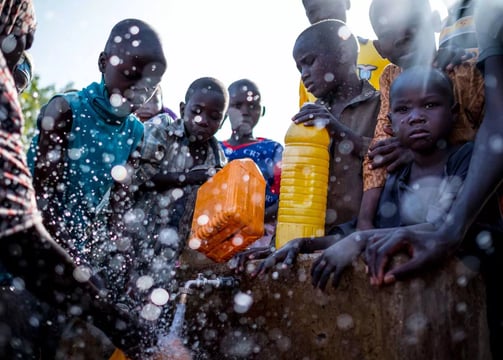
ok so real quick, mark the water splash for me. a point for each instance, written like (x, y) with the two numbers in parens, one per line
(176, 327)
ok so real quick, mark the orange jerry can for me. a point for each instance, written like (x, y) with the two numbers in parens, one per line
(118, 355)
(229, 211)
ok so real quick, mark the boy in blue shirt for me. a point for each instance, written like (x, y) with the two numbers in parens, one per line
(245, 111)
(84, 134)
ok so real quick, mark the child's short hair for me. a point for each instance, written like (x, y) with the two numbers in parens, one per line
(331, 35)
(210, 84)
(242, 83)
(131, 33)
(411, 6)
(424, 75)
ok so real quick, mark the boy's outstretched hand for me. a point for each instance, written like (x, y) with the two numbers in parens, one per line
(287, 255)
(334, 260)
(239, 261)
(426, 248)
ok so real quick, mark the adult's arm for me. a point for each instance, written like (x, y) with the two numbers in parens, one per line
(49, 167)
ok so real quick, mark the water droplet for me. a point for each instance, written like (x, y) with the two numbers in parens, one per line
(144, 282)
(159, 296)
(242, 302)
(119, 173)
(416, 323)
(134, 30)
(194, 243)
(75, 153)
(177, 193)
(82, 273)
(203, 220)
(345, 321)
(329, 77)
(344, 33)
(169, 236)
(484, 240)
(114, 60)
(9, 43)
(237, 240)
(116, 100)
(150, 312)
(47, 123)
(346, 147)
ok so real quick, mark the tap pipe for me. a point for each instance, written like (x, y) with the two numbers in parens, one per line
(228, 282)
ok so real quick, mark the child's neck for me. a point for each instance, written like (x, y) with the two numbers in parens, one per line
(239, 139)
(424, 59)
(198, 151)
(430, 164)
(337, 100)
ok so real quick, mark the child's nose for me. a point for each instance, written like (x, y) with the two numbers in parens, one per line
(416, 116)
(201, 120)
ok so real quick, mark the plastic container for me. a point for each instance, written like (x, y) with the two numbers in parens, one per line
(229, 211)
(118, 355)
(304, 184)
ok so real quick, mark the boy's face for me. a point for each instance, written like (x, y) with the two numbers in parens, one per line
(405, 35)
(244, 110)
(131, 78)
(203, 114)
(151, 108)
(320, 67)
(421, 116)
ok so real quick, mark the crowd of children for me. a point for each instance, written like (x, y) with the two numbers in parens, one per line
(107, 192)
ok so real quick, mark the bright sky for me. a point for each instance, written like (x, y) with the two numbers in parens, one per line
(226, 39)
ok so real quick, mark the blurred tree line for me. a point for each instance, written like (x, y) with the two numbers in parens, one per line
(32, 99)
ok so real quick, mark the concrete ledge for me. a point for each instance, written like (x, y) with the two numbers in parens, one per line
(440, 315)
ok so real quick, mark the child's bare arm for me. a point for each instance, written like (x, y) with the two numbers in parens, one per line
(176, 179)
(368, 208)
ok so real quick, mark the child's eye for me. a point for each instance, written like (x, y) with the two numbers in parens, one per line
(131, 75)
(401, 109)
(307, 61)
(196, 111)
(217, 117)
(430, 105)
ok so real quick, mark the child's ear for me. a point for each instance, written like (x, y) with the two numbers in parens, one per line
(263, 110)
(390, 129)
(102, 62)
(182, 109)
